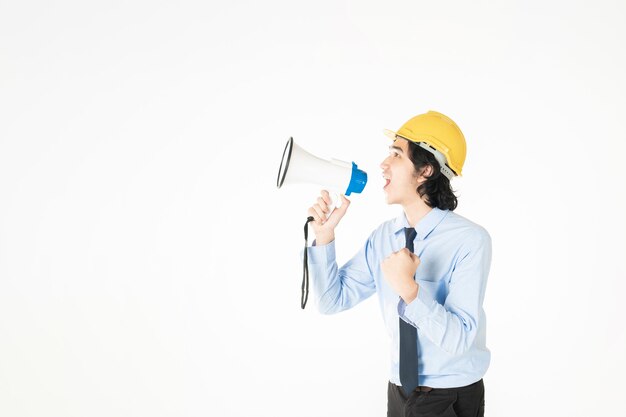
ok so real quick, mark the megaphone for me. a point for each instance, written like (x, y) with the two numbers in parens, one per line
(299, 166)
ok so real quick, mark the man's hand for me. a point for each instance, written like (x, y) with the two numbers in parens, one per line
(399, 271)
(323, 227)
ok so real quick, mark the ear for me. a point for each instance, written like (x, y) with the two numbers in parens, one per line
(427, 171)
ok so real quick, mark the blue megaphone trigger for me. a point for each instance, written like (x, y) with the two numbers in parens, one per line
(357, 180)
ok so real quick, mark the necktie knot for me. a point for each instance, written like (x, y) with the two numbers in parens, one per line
(409, 233)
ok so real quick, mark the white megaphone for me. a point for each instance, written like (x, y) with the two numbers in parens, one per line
(300, 166)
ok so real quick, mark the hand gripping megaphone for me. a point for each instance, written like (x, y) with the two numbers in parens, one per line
(299, 166)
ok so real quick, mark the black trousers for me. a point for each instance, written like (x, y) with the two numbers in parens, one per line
(466, 401)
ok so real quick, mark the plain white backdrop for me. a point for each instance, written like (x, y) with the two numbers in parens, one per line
(149, 265)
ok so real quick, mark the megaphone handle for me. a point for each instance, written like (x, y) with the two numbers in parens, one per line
(335, 201)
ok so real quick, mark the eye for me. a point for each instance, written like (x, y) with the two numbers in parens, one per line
(394, 153)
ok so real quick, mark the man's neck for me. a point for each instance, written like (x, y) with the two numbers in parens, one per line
(415, 211)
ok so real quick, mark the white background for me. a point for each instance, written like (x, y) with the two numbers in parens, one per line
(149, 265)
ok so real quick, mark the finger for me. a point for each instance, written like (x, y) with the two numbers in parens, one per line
(311, 212)
(322, 204)
(326, 197)
(320, 212)
(409, 255)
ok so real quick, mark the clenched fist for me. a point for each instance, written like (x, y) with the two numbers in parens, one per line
(399, 271)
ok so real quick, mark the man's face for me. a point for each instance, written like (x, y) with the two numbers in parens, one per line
(398, 170)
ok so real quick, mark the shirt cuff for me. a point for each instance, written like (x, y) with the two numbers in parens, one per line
(419, 309)
(324, 254)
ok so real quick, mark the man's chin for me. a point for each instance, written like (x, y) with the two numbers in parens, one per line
(390, 200)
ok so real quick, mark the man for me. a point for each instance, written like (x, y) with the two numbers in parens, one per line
(429, 268)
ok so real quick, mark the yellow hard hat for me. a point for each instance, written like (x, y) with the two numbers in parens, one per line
(438, 134)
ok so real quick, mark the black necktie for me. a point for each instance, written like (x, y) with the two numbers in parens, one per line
(408, 339)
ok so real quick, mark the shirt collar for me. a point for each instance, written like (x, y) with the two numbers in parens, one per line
(423, 227)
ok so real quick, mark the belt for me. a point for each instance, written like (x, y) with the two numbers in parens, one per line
(429, 389)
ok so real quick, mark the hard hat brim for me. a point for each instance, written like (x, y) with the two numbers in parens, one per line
(391, 134)
(394, 135)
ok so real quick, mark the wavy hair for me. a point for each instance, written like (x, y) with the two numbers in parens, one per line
(436, 188)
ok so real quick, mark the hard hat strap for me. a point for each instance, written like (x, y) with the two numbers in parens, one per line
(305, 267)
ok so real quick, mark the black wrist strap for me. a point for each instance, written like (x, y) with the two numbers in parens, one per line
(305, 266)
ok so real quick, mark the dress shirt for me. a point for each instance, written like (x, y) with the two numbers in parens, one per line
(455, 257)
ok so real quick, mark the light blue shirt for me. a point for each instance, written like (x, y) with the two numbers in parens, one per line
(455, 257)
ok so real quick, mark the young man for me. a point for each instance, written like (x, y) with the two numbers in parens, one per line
(429, 268)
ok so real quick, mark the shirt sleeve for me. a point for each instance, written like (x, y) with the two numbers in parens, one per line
(453, 325)
(337, 289)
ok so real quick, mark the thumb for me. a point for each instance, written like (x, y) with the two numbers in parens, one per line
(339, 212)
(344, 204)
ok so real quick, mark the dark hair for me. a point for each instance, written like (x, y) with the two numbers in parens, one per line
(437, 186)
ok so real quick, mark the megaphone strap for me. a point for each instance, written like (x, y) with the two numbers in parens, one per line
(305, 266)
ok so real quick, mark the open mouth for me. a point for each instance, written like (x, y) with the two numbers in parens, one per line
(387, 182)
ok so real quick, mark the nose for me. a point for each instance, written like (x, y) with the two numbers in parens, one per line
(384, 164)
